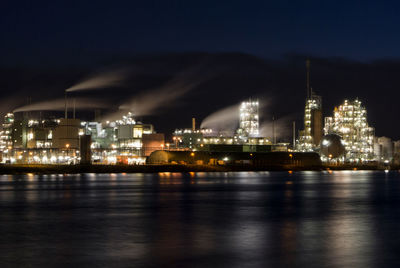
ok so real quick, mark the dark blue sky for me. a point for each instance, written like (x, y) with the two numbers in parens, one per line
(69, 30)
(48, 46)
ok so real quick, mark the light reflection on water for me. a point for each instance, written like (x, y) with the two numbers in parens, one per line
(229, 219)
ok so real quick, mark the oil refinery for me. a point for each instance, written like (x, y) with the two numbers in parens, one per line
(72, 141)
(341, 139)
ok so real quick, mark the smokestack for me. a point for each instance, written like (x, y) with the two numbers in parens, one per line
(66, 111)
(74, 109)
(294, 135)
(308, 77)
(273, 131)
(29, 101)
(194, 124)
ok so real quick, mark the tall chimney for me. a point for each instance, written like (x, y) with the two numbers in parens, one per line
(66, 109)
(294, 135)
(273, 131)
(308, 77)
(194, 124)
(74, 109)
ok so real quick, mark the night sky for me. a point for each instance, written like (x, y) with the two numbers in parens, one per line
(226, 50)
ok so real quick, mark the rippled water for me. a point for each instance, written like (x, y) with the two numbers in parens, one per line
(240, 219)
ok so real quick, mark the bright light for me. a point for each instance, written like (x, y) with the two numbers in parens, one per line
(325, 142)
(350, 122)
(112, 159)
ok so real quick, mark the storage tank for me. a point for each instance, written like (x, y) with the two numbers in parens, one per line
(332, 146)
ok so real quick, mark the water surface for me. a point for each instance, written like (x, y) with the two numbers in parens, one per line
(239, 219)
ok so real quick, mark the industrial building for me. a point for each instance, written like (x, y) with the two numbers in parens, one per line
(248, 120)
(349, 121)
(247, 137)
(27, 139)
(348, 138)
(386, 151)
(396, 153)
(383, 149)
(310, 137)
(6, 133)
(277, 160)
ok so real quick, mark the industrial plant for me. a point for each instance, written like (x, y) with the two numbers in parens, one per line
(310, 137)
(247, 136)
(33, 140)
(349, 121)
(345, 138)
(348, 138)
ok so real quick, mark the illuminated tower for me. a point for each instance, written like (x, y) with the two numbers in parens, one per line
(350, 122)
(6, 133)
(248, 119)
(310, 137)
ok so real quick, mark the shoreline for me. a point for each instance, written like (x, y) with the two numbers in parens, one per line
(6, 169)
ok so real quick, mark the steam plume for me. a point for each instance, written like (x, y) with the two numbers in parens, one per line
(224, 121)
(101, 80)
(149, 102)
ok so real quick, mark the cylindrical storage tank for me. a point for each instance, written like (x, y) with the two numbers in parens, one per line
(332, 146)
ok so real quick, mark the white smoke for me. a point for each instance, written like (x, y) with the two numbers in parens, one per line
(146, 103)
(100, 80)
(149, 102)
(224, 121)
